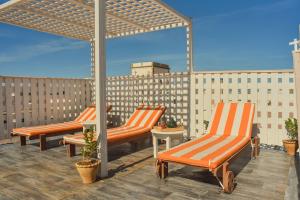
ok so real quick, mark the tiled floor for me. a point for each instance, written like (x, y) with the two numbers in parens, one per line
(27, 173)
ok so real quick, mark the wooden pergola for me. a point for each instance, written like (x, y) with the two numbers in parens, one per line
(96, 20)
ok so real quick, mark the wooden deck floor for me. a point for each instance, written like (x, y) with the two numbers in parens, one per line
(25, 172)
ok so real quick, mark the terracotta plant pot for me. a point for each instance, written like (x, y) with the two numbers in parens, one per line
(88, 170)
(291, 146)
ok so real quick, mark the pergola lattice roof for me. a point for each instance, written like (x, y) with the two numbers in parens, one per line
(75, 18)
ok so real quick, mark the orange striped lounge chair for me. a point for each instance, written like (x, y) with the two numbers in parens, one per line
(229, 132)
(137, 127)
(44, 131)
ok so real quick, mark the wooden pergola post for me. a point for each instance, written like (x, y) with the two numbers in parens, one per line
(100, 82)
(190, 69)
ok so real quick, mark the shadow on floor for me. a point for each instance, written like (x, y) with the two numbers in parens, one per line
(201, 175)
(297, 166)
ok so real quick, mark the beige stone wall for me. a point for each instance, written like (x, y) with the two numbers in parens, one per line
(273, 93)
(296, 58)
(148, 68)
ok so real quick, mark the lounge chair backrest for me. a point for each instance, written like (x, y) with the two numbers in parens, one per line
(145, 116)
(89, 114)
(232, 119)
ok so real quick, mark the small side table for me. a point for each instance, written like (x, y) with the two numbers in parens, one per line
(164, 135)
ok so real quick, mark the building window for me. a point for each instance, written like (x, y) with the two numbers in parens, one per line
(269, 103)
(269, 114)
(204, 81)
(279, 126)
(258, 114)
(269, 91)
(230, 80)
(239, 91)
(280, 115)
(197, 101)
(269, 125)
(279, 80)
(279, 103)
(230, 91)
(196, 112)
(291, 104)
(222, 91)
(291, 80)
(197, 91)
(291, 115)
(196, 81)
(213, 91)
(239, 80)
(258, 80)
(249, 91)
(291, 91)
(248, 80)
(221, 80)
(213, 80)
(269, 80)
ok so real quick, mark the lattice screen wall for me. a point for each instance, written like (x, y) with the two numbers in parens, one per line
(272, 92)
(125, 93)
(35, 101)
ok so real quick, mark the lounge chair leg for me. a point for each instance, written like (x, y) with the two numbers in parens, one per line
(134, 146)
(165, 170)
(228, 179)
(23, 140)
(71, 149)
(162, 169)
(257, 146)
(43, 142)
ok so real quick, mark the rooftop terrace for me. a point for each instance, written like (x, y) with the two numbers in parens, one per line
(25, 171)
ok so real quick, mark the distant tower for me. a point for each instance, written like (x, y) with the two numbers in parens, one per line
(149, 68)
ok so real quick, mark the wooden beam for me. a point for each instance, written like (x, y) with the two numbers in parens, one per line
(109, 14)
(100, 80)
(41, 13)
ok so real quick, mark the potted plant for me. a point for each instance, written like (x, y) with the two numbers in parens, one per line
(291, 144)
(88, 166)
(172, 123)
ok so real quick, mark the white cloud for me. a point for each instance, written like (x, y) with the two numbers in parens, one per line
(22, 52)
(272, 7)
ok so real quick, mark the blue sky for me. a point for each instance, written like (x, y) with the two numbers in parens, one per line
(228, 35)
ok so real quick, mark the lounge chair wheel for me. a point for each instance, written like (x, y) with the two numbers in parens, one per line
(229, 182)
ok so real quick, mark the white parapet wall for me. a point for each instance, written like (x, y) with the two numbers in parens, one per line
(273, 92)
(26, 101)
(33, 101)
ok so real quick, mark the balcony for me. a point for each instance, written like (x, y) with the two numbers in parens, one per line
(189, 97)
